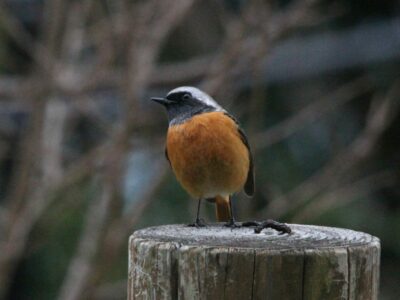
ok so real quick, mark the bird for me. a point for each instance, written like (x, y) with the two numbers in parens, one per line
(207, 150)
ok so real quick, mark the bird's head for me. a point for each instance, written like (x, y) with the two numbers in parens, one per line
(184, 102)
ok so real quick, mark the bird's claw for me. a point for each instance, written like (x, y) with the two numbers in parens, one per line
(259, 226)
(198, 223)
(232, 224)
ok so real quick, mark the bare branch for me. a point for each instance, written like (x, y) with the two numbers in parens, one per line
(312, 112)
(379, 118)
(15, 29)
(346, 194)
(81, 264)
(53, 133)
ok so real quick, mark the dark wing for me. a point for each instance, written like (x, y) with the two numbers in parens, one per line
(249, 185)
(166, 155)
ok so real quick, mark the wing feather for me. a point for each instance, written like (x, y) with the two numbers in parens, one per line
(249, 185)
(166, 155)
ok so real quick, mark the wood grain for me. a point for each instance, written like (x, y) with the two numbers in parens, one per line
(178, 262)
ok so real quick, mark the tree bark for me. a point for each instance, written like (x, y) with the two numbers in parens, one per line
(313, 262)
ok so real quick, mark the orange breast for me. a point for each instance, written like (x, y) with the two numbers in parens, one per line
(208, 156)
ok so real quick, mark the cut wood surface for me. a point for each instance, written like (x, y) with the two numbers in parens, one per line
(215, 262)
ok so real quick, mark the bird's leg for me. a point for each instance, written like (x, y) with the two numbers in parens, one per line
(199, 222)
(259, 226)
(232, 222)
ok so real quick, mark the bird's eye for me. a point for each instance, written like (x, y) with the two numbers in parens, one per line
(186, 97)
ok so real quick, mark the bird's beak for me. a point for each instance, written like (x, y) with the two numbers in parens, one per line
(162, 101)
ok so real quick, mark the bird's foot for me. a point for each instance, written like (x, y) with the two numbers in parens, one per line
(251, 224)
(198, 223)
(259, 226)
(232, 224)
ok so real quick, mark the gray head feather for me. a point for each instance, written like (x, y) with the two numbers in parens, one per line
(198, 94)
(184, 102)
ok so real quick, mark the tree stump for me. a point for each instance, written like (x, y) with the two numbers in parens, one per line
(215, 262)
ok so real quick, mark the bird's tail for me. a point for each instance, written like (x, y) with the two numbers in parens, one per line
(222, 209)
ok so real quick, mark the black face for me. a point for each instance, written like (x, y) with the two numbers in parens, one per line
(181, 97)
(181, 106)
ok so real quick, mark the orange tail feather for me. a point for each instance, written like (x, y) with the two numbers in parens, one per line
(222, 209)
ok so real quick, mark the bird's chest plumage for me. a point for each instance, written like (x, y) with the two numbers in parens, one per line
(207, 155)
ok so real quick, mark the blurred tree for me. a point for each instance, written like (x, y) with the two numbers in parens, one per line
(315, 84)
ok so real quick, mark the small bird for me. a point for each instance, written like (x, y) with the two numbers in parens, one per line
(207, 150)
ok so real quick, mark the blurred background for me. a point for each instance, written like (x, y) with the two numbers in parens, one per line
(315, 84)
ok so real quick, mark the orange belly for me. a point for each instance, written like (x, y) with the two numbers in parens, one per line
(208, 156)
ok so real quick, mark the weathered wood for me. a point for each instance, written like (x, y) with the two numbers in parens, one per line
(179, 262)
(325, 274)
(273, 264)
